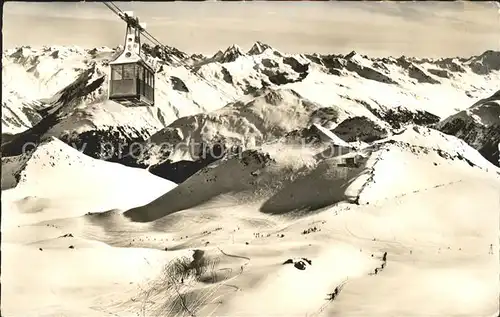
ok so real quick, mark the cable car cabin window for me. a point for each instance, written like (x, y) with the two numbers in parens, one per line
(149, 92)
(139, 71)
(123, 80)
(116, 72)
(128, 71)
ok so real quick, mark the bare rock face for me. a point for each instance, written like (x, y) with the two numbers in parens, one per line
(360, 128)
(443, 73)
(337, 63)
(178, 84)
(295, 64)
(310, 135)
(258, 48)
(416, 72)
(279, 78)
(484, 139)
(165, 53)
(479, 126)
(400, 116)
(368, 73)
(179, 171)
(269, 63)
(485, 63)
(299, 264)
(231, 54)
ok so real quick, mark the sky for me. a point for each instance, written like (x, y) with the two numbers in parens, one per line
(422, 29)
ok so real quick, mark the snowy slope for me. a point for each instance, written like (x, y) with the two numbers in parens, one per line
(30, 77)
(437, 243)
(192, 142)
(426, 198)
(250, 124)
(412, 155)
(62, 176)
(280, 171)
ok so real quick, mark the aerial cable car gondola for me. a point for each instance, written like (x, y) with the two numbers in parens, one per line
(132, 81)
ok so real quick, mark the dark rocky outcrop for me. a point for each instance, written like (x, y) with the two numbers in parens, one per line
(258, 48)
(400, 116)
(360, 128)
(178, 84)
(179, 171)
(485, 139)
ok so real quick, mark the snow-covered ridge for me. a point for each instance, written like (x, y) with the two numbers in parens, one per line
(279, 173)
(244, 124)
(385, 90)
(231, 54)
(479, 126)
(54, 169)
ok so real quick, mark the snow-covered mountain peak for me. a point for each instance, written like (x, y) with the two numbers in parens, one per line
(167, 54)
(353, 54)
(231, 54)
(258, 48)
(485, 63)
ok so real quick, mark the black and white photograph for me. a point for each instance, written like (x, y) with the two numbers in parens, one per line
(250, 159)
